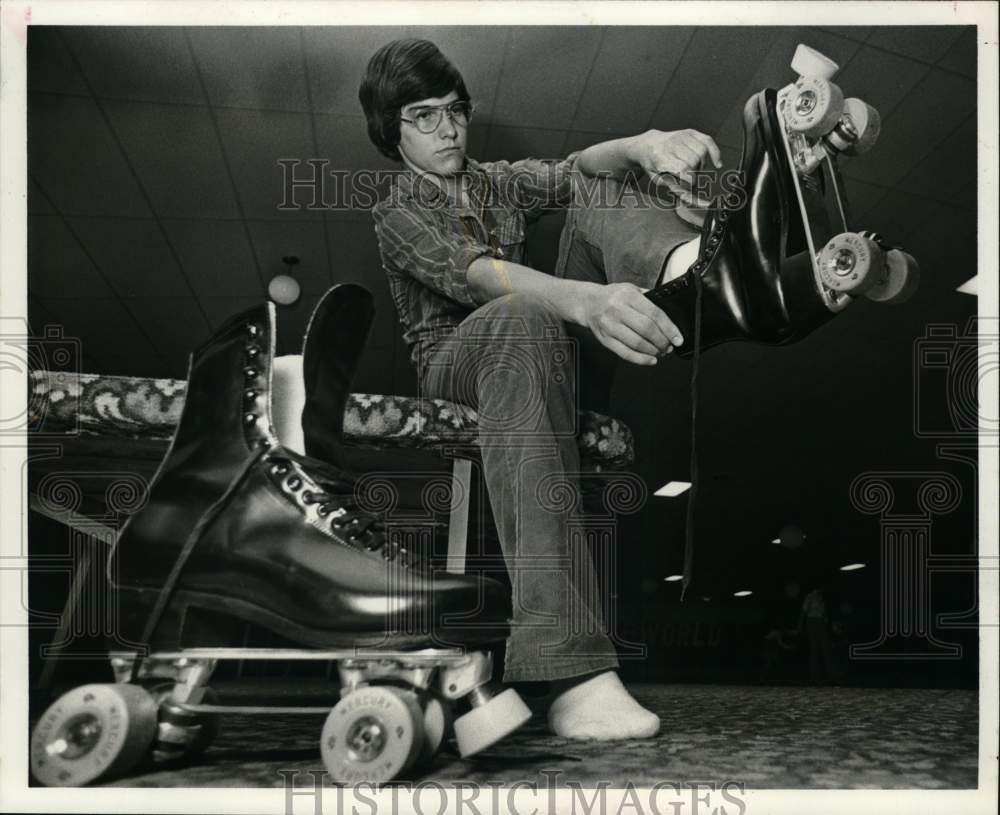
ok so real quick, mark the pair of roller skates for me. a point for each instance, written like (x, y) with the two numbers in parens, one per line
(778, 257)
(238, 528)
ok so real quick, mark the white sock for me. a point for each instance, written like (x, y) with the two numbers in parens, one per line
(601, 709)
(681, 259)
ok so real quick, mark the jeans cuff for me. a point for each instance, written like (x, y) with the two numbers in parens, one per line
(558, 669)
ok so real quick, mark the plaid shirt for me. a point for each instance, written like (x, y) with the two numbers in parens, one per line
(427, 242)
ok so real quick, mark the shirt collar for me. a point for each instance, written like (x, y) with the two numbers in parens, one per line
(420, 188)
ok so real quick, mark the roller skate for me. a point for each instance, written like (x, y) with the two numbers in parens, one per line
(239, 529)
(777, 257)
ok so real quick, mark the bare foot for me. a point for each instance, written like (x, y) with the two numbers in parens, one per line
(601, 709)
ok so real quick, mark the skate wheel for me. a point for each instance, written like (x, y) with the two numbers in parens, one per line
(810, 62)
(372, 735)
(490, 721)
(814, 107)
(850, 263)
(438, 720)
(859, 127)
(900, 279)
(93, 731)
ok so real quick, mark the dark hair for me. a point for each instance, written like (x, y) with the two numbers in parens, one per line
(400, 73)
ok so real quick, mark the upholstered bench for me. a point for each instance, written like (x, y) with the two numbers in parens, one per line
(148, 409)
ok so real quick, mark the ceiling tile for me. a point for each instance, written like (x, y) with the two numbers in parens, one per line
(923, 42)
(252, 67)
(852, 32)
(40, 319)
(38, 202)
(132, 62)
(50, 64)
(880, 79)
(580, 140)
(109, 334)
(176, 326)
(543, 75)
(962, 56)
(475, 145)
(513, 143)
(357, 175)
(928, 114)
(57, 264)
(216, 256)
(477, 53)
(273, 240)
(176, 154)
(900, 217)
(254, 141)
(775, 71)
(336, 57)
(719, 59)
(948, 173)
(354, 256)
(629, 74)
(132, 255)
(84, 174)
(861, 199)
(946, 246)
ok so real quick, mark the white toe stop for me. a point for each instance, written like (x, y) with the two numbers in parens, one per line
(489, 722)
(810, 62)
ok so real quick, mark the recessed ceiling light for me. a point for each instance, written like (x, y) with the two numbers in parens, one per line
(742, 593)
(777, 541)
(970, 286)
(673, 578)
(853, 567)
(673, 488)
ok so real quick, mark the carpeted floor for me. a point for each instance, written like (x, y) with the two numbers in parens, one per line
(763, 737)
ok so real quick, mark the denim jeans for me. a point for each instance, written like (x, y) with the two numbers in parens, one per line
(519, 366)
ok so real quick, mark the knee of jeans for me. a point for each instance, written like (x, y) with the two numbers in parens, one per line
(519, 315)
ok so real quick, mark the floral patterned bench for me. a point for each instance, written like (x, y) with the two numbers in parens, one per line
(135, 407)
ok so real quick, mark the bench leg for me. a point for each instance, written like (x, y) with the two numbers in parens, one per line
(458, 521)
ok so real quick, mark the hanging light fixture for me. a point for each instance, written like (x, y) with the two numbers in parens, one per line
(283, 288)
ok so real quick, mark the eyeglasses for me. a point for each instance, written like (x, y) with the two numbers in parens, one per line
(428, 119)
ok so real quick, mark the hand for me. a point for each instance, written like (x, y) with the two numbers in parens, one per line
(672, 159)
(628, 323)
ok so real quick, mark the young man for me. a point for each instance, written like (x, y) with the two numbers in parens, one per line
(488, 330)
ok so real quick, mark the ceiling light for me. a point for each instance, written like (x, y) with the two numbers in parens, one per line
(284, 289)
(742, 593)
(673, 578)
(853, 567)
(673, 488)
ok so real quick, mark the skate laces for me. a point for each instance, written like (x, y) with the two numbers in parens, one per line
(338, 503)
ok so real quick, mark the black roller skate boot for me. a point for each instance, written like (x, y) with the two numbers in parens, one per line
(237, 527)
(777, 259)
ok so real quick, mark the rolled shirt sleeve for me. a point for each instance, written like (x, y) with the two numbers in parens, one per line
(417, 243)
(535, 185)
